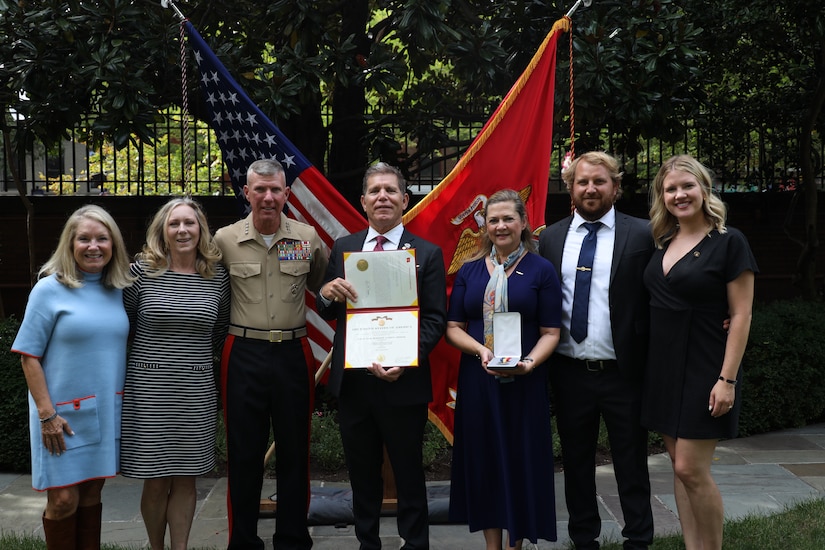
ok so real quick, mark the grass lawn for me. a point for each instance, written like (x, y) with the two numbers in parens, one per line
(798, 528)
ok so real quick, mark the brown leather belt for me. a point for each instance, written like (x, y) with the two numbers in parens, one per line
(268, 335)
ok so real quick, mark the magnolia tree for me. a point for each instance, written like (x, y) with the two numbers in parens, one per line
(391, 69)
(765, 68)
(382, 69)
(63, 60)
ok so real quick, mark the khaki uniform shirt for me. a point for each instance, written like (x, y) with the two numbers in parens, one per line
(269, 283)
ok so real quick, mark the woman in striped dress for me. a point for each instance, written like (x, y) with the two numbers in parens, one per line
(179, 311)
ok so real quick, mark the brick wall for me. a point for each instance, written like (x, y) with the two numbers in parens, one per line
(131, 213)
(760, 216)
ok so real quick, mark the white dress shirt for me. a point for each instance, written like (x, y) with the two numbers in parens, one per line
(599, 341)
(393, 237)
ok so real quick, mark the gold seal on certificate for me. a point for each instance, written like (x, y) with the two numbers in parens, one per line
(382, 280)
(386, 337)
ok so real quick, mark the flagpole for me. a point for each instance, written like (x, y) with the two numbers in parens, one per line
(318, 375)
(576, 6)
(169, 4)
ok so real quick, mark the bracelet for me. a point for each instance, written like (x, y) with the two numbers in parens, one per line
(527, 360)
(729, 381)
(49, 419)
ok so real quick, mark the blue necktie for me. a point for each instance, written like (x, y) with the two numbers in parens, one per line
(581, 293)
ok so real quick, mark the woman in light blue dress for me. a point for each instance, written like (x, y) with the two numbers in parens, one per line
(73, 346)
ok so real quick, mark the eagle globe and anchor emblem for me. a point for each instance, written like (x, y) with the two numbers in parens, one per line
(467, 244)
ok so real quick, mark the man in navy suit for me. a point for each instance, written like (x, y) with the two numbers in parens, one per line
(601, 375)
(380, 406)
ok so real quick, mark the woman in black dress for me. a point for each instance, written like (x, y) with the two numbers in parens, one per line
(701, 274)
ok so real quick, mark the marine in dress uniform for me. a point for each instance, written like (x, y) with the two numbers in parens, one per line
(267, 366)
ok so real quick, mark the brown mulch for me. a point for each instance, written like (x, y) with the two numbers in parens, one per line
(439, 470)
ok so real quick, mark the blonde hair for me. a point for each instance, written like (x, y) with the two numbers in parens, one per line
(155, 253)
(63, 264)
(596, 158)
(662, 223)
(485, 244)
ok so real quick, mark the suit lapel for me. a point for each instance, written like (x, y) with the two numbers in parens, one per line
(557, 249)
(407, 238)
(356, 241)
(618, 244)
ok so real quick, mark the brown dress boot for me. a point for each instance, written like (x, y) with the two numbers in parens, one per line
(88, 527)
(60, 533)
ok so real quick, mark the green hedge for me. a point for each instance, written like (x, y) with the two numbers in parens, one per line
(14, 410)
(784, 367)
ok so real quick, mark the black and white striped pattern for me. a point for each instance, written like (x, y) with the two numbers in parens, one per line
(169, 403)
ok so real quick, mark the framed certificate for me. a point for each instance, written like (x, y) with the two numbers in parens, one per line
(388, 337)
(382, 280)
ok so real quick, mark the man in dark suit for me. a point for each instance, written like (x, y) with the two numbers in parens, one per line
(598, 370)
(380, 406)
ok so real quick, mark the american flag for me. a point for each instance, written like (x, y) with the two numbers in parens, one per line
(246, 134)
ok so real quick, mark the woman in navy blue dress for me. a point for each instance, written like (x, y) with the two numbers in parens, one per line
(701, 274)
(502, 469)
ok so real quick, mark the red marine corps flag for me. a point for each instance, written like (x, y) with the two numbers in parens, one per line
(512, 151)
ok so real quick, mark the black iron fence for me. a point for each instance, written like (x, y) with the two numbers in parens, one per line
(75, 167)
(763, 160)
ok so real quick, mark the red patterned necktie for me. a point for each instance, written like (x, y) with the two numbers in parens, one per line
(379, 242)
